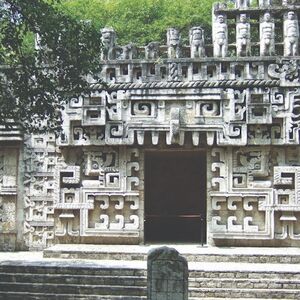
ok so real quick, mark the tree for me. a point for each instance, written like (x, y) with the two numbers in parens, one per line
(35, 83)
(143, 21)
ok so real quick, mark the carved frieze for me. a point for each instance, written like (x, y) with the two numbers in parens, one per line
(229, 117)
(40, 160)
(99, 196)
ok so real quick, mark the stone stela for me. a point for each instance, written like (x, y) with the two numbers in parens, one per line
(218, 117)
(167, 273)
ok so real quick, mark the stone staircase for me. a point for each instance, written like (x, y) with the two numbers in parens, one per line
(119, 272)
(71, 280)
(265, 284)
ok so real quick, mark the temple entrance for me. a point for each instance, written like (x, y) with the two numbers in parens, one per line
(175, 196)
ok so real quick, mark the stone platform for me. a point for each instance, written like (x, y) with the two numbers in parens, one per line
(119, 272)
(192, 252)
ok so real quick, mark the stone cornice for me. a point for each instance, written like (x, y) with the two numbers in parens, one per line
(188, 84)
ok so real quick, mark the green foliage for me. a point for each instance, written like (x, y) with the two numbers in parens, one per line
(34, 84)
(143, 21)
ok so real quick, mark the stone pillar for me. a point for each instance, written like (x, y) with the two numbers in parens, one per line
(167, 275)
(8, 198)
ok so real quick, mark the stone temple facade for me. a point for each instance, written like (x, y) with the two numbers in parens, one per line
(186, 143)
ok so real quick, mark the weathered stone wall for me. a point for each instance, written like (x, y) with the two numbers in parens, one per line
(238, 98)
(9, 157)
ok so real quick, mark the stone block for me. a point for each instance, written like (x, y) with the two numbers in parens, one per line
(167, 275)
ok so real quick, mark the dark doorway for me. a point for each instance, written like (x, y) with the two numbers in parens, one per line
(175, 196)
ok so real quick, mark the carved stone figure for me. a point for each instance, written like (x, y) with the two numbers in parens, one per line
(108, 39)
(152, 50)
(267, 34)
(291, 34)
(129, 51)
(197, 42)
(243, 47)
(242, 3)
(173, 42)
(220, 37)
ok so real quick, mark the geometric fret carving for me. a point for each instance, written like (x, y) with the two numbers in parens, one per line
(254, 194)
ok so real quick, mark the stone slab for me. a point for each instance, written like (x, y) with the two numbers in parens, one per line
(167, 275)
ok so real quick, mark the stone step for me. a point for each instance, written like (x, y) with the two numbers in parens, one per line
(46, 288)
(200, 293)
(49, 291)
(74, 279)
(71, 267)
(244, 283)
(87, 290)
(227, 281)
(44, 296)
(213, 298)
(250, 275)
(196, 270)
(38, 296)
(193, 253)
(218, 282)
